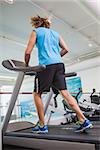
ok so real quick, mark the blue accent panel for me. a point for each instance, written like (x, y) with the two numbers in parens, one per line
(73, 85)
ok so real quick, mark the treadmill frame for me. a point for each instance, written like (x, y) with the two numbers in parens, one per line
(18, 138)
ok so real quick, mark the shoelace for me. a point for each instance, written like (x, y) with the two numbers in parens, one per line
(78, 123)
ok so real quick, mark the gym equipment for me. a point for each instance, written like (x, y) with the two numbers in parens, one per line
(90, 103)
(59, 137)
(95, 98)
(90, 108)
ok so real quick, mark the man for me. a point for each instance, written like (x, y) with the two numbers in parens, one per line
(51, 47)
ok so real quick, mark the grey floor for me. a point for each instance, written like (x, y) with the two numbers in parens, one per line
(73, 146)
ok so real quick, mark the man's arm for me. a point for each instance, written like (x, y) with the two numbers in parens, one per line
(31, 44)
(64, 48)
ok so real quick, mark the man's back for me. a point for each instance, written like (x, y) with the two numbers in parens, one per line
(47, 42)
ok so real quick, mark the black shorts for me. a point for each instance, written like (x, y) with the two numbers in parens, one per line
(53, 76)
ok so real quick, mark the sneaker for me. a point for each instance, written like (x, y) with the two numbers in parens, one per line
(86, 125)
(38, 129)
(78, 123)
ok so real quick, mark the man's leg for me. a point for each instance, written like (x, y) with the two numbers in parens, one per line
(39, 127)
(72, 102)
(39, 107)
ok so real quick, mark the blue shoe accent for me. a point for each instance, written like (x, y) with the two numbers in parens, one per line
(86, 125)
(39, 129)
(35, 128)
(43, 129)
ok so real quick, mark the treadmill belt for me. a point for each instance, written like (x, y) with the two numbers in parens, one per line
(67, 130)
(63, 132)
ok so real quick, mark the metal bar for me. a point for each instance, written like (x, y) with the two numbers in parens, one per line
(28, 93)
(12, 101)
(50, 115)
(19, 93)
(48, 101)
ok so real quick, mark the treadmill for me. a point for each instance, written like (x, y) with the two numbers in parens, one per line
(19, 134)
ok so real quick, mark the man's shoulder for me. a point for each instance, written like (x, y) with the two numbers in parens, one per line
(55, 32)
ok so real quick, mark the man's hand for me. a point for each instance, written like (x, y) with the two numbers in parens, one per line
(64, 48)
(27, 58)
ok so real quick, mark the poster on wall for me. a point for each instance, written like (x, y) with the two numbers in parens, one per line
(73, 85)
(28, 110)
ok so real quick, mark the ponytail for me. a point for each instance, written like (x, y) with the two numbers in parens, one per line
(37, 21)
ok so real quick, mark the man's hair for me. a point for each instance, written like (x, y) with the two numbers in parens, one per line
(37, 21)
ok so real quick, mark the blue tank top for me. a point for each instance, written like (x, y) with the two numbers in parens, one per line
(47, 42)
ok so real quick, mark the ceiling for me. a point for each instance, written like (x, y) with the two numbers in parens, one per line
(78, 22)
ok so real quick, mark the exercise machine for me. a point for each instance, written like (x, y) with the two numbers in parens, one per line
(59, 137)
(90, 103)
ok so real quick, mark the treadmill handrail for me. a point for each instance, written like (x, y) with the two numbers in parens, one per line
(71, 74)
(11, 62)
(11, 65)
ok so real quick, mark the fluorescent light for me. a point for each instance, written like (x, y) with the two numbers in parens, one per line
(78, 59)
(12, 40)
(9, 1)
(90, 45)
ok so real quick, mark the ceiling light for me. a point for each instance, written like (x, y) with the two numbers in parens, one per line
(90, 45)
(78, 59)
(9, 1)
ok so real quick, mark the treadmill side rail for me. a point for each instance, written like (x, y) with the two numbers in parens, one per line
(12, 101)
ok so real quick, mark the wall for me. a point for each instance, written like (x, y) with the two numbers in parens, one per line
(90, 79)
(89, 71)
